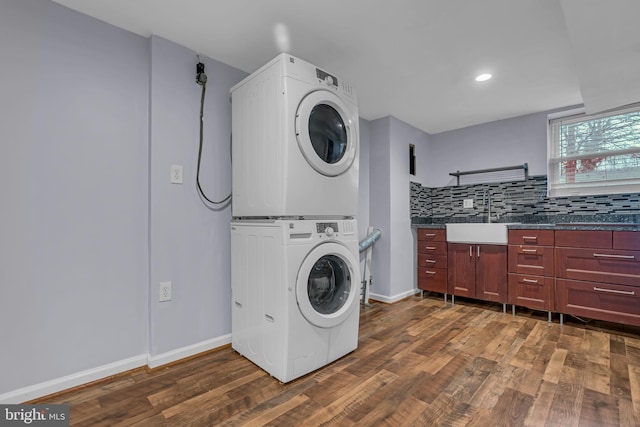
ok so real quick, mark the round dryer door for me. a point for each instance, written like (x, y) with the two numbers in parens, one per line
(325, 289)
(326, 133)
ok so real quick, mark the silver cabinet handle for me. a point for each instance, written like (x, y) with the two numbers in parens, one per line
(429, 235)
(430, 248)
(430, 261)
(470, 250)
(529, 237)
(478, 250)
(614, 256)
(430, 272)
(530, 251)
(529, 281)
(614, 291)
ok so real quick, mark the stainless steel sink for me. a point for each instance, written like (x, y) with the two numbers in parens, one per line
(487, 233)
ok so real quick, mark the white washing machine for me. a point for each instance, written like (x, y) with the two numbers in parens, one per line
(295, 142)
(295, 293)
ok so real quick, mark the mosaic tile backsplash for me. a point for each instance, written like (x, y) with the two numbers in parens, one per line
(518, 201)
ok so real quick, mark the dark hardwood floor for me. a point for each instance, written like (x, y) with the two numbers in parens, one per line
(419, 363)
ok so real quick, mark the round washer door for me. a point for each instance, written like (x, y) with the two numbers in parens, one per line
(326, 290)
(326, 133)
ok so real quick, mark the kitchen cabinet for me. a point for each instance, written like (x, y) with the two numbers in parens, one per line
(531, 269)
(478, 271)
(432, 260)
(626, 240)
(598, 274)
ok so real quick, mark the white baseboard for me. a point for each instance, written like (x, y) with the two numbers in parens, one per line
(190, 350)
(59, 384)
(80, 378)
(394, 298)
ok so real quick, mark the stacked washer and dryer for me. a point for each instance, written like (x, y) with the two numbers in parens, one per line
(294, 244)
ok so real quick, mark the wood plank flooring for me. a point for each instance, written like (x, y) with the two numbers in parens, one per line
(419, 363)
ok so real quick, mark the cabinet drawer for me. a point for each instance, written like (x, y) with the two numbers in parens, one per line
(432, 279)
(613, 303)
(532, 291)
(599, 265)
(431, 234)
(531, 237)
(536, 260)
(432, 260)
(425, 247)
(584, 239)
(629, 240)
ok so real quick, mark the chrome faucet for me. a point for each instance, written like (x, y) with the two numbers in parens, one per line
(486, 197)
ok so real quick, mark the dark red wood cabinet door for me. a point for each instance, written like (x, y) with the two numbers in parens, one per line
(491, 273)
(462, 269)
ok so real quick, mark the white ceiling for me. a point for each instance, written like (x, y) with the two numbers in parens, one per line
(417, 59)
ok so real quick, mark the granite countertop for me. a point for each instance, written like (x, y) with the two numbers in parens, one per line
(539, 222)
(531, 226)
(600, 226)
(603, 226)
(430, 226)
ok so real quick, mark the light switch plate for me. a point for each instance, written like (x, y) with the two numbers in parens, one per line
(467, 203)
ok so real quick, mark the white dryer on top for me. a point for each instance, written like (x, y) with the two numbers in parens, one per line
(295, 142)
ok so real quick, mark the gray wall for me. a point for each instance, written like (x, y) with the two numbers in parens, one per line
(402, 254)
(392, 262)
(363, 186)
(501, 143)
(189, 241)
(92, 118)
(73, 140)
(380, 194)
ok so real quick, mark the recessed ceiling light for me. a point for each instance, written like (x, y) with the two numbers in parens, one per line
(483, 77)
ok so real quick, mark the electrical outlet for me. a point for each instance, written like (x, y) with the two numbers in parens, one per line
(176, 174)
(467, 203)
(165, 291)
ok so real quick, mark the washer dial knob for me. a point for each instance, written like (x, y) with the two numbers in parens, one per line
(329, 231)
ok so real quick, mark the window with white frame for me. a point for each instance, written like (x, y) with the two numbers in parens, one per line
(595, 154)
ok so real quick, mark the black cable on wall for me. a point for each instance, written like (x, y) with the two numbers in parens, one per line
(201, 79)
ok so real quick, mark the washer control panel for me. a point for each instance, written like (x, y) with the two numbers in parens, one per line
(328, 228)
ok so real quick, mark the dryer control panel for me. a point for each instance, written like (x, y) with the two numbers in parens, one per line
(326, 77)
